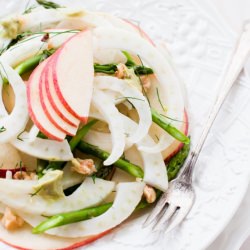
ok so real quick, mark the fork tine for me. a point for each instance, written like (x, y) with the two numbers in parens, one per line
(167, 214)
(156, 211)
(177, 219)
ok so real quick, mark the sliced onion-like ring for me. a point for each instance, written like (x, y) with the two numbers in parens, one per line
(33, 133)
(43, 148)
(155, 173)
(110, 113)
(24, 49)
(71, 178)
(102, 140)
(33, 45)
(18, 194)
(161, 145)
(135, 97)
(14, 123)
(128, 195)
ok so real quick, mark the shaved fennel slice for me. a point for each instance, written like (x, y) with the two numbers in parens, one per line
(33, 133)
(109, 56)
(43, 148)
(135, 97)
(71, 178)
(34, 45)
(18, 194)
(24, 50)
(110, 113)
(3, 111)
(128, 195)
(15, 122)
(155, 173)
(107, 38)
(36, 20)
(102, 140)
(161, 145)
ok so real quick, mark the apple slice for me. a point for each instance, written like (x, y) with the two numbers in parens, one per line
(35, 108)
(73, 74)
(54, 99)
(52, 115)
(24, 239)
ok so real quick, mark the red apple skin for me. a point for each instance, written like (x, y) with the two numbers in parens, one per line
(50, 97)
(43, 96)
(87, 240)
(82, 242)
(30, 104)
(57, 85)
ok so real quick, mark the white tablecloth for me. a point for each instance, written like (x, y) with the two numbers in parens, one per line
(235, 12)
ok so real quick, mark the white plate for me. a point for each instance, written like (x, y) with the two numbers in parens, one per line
(200, 43)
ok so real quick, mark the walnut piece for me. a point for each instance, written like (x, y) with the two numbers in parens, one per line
(149, 194)
(11, 221)
(146, 83)
(22, 175)
(86, 166)
(122, 71)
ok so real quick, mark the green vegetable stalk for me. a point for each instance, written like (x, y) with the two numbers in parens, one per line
(48, 4)
(177, 161)
(164, 124)
(71, 217)
(80, 215)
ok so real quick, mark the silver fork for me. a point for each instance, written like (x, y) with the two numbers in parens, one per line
(177, 201)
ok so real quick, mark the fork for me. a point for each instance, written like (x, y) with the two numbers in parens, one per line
(177, 201)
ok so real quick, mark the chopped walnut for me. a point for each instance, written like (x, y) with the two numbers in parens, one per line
(149, 194)
(22, 175)
(121, 72)
(11, 221)
(146, 83)
(86, 167)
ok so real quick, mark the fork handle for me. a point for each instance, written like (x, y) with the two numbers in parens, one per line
(233, 69)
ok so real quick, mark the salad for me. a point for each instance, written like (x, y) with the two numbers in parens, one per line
(93, 125)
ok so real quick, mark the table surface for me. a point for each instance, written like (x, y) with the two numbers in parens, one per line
(235, 12)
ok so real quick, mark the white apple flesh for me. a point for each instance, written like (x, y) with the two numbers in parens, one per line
(36, 111)
(73, 74)
(50, 112)
(54, 99)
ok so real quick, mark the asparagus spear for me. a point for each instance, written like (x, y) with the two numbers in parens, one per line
(71, 217)
(76, 216)
(176, 162)
(164, 124)
(125, 165)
